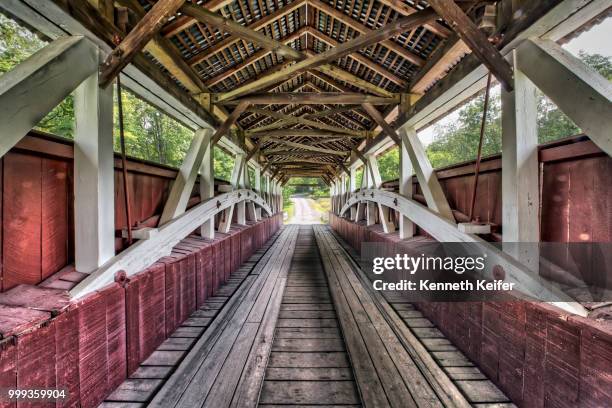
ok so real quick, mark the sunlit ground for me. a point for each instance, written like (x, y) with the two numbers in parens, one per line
(305, 210)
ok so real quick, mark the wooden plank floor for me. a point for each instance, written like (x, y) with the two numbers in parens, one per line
(303, 327)
(472, 383)
(308, 364)
(142, 385)
(226, 366)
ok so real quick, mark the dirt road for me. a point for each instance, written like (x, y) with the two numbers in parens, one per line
(305, 211)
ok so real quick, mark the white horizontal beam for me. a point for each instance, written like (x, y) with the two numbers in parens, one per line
(144, 253)
(37, 85)
(444, 230)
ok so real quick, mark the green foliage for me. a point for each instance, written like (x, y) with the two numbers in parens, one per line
(150, 134)
(318, 189)
(388, 164)
(16, 45)
(359, 176)
(458, 142)
(224, 164)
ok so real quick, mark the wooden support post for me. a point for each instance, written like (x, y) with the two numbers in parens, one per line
(370, 207)
(520, 175)
(186, 177)
(406, 227)
(353, 189)
(432, 190)
(239, 182)
(376, 182)
(94, 210)
(37, 85)
(257, 188)
(207, 184)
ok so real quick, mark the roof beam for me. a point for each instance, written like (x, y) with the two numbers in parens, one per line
(307, 147)
(405, 9)
(363, 60)
(231, 119)
(343, 75)
(308, 98)
(300, 161)
(333, 54)
(438, 64)
(278, 152)
(289, 119)
(476, 40)
(378, 118)
(264, 52)
(135, 41)
(255, 26)
(300, 133)
(362, 29)
(184, 22)
(329, 69)
(230, 26)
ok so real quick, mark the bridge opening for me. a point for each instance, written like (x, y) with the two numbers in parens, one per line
(284, 162)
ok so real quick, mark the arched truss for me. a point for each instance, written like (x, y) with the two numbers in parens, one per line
(445, 231)
(145, 252)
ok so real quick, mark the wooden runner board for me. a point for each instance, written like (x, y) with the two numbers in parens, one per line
(308, 364)
(401, 377)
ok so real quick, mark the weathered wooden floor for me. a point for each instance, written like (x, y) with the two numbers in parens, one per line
(142, 385)
(309, 363)
(303, 327)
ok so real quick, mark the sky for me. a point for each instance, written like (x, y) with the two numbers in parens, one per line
(595, 41)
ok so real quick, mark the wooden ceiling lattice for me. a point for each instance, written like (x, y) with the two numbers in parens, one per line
(225, 61)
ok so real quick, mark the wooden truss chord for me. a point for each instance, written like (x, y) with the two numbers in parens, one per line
(135, 41)
(306, 98)
(475, 39)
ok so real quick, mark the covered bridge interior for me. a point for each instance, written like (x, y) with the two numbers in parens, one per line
(125, 283)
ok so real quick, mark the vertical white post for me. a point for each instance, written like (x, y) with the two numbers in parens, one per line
(332, 196)
(520, 170)
(267, 188)
(207, 184)
(243, 181)
(94, 203)
(352, 189)
(371, 207)
(257, 188)
(342, 191)
(406, 227)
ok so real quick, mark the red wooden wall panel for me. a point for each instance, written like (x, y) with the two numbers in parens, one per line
(21, 229)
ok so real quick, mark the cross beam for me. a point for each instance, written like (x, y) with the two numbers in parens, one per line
(333, 54)
(135, 41)
(306, 98)
(475, 39)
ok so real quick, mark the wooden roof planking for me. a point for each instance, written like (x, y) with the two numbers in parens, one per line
(221, 52)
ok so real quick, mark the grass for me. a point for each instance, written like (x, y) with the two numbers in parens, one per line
(323, 205)
(290, 210)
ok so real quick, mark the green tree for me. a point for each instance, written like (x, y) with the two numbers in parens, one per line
(17, 43)
(150, 134)
(388, 164)
(223, 163)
